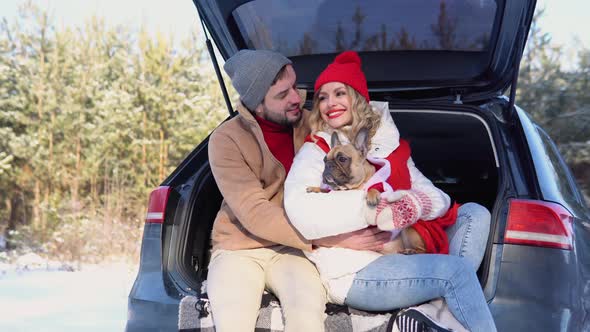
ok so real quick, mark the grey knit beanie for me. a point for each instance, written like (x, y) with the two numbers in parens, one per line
(252, 73)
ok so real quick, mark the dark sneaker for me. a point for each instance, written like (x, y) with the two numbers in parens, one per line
(413, 320)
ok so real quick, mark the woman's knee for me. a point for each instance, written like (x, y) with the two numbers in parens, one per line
(479, 220)
(477, 213)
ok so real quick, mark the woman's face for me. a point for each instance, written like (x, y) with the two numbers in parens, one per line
(334, 104)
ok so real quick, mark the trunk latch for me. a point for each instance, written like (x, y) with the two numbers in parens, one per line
(458, 97)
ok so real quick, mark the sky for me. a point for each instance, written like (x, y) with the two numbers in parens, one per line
(176, 17)
(565, 20)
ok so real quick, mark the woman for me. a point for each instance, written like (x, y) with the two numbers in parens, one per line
(368, 280)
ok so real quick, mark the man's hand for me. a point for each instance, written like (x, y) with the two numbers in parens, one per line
(370, 238)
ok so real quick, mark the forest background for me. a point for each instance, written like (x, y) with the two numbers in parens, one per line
(94, 117)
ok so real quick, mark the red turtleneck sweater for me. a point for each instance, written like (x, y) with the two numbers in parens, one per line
(279, 140)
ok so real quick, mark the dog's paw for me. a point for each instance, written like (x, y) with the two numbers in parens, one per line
(394, 196)
(313, 190)
(409, 252)
(373, 197)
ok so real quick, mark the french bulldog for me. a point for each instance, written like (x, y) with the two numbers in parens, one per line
(345, 168)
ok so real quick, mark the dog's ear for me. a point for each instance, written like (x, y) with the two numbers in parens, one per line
(335, 141)
(361, 141)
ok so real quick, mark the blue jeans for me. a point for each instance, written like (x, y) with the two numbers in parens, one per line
(398, 281)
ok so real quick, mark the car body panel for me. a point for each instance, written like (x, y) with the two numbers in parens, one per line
(151, 306)
(535, 292)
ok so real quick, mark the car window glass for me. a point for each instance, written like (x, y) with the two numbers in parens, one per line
(298, 27)
(559, 169)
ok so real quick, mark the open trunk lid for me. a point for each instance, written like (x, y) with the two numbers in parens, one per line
(411, 49)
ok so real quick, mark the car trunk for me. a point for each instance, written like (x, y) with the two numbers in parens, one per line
(426, 52)
(453, 147)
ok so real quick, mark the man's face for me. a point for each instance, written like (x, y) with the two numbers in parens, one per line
(281, 102)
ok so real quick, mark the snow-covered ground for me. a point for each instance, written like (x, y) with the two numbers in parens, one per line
(46, 298)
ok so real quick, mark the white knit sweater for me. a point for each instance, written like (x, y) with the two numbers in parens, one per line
(320, 215)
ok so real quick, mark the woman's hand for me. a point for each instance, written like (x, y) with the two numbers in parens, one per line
(370, 238)
(397, 210)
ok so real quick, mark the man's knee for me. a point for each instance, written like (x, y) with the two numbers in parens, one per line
(294, 275)
(296, 282)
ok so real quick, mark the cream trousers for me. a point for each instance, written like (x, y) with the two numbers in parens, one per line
(237, 279)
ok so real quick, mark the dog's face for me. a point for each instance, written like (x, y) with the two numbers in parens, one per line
(346, 166)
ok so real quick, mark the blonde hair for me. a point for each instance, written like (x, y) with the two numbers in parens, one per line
(363, 116)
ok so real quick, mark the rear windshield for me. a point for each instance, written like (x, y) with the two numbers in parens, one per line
(301, 27)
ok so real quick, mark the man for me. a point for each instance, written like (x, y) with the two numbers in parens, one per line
(254, 245)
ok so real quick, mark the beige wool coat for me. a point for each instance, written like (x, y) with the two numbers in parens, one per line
(251, 181)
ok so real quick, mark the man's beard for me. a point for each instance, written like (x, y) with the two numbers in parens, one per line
(281, 119)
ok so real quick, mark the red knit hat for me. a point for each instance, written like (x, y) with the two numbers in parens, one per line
(346, 69)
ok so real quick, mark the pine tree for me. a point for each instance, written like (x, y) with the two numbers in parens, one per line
(91, 120)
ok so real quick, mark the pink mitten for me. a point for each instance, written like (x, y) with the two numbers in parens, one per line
(399, 209)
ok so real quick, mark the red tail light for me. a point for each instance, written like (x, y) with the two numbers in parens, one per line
(157, 205)
(539, 223)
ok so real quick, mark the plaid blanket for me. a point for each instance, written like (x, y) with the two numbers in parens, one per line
(195, 315)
